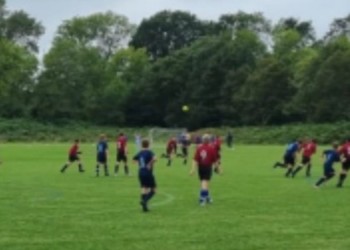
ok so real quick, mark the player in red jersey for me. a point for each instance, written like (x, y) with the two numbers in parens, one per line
(344, 151)
(170, 150)
(204, 159)
(73, 156)
(122, 154)
(308, 149)
(217, 146)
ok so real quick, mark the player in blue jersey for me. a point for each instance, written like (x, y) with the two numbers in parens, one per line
(331, 156)
(102, 153)
(145, 159)
(289, 157)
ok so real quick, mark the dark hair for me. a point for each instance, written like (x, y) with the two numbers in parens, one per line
(335, 145)
(145, 143)
(76, 140)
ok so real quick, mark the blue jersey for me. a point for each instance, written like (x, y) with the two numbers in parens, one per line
(332, 156)
(292, 148)
(102, 147)
(144, 158)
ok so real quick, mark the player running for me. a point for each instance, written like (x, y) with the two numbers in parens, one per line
(146, 159)
(102, 155)
(170, 150)
(345, 155)
(204, 159)
(73, 156)
(308, 149)
(289, 157)
(122, 154)
(331, 156)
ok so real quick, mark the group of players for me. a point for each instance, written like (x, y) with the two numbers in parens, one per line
(206, 160)
(337, 153)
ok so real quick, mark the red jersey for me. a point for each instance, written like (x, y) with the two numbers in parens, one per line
(205, 155)
(171, 146)
(121, 144)
(345, 150)
(74, 150)
(309, 149)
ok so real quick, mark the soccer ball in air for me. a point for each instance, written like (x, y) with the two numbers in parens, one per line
(185, 108)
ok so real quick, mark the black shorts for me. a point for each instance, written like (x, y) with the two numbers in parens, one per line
(289, 160)
(147, 180)
(305, 159)
(185, 151)
(73, 158)
(346, 165)
(102, 158)
(121, 156)
(205, 173)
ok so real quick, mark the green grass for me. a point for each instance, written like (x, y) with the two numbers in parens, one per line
(255, 207)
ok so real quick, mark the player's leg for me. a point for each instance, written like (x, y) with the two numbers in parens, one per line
(169, 157)
(290, 163)
(185, 155)
(328, 174)
(304, 162)
(97, 169)
(65, 166)
(143, 202)
(80, 166)
(280, 164)
(343, 173)
(116, 167)
(308, 169)
(204, 176)
(126, 167)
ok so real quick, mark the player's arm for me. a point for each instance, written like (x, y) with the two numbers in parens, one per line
(151, 163)
(195, 163)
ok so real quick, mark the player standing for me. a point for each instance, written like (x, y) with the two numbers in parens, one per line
(170, 150)
(122, 154)
(73, 156)
(102, 155)
(185, 144)
(308, 149)
(345, 153)
(289, 157)
(146, 159)
(204, 159)
(331, 156)
(217, 146)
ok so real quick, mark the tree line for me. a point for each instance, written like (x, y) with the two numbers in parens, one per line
(238, 70)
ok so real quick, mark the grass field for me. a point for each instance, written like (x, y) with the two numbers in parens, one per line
(255, 207)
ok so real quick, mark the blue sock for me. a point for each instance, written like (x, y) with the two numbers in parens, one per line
(203, 195)
(150, 195)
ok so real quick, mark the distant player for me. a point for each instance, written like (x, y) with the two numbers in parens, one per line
(217, 147)
(308, 149)
(146, 159)
(289, 157)
(102, 155)
(345, 158)
(229, 139)
(73, 156)
(185, 144)
(204, 159)
(171, 148)
(122, 154)
(138, 142)
(331, 156)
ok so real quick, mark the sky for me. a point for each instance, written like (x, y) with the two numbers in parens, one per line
(51, 13)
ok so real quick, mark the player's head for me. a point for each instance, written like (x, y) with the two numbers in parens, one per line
(335, 145)
(102, 137)
(145, 143)
(314, 140)
(76, 141)
(121, 134)
(206, 138)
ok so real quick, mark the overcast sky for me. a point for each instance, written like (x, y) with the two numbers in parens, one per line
(52, 12)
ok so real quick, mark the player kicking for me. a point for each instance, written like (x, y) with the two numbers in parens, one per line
(122, 154)
(289, 157)
(331, 156)
(102, 153)
(345, 153)
(170, 150)
(146, 159)
(204, 159)
(73, 156)
(308, 149)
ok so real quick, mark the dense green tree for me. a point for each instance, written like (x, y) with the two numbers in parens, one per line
(339, 27)
(168, 31)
